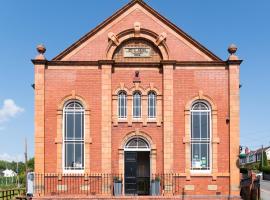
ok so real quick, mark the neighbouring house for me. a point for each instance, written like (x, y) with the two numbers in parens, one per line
(259, 153)
(9, 173)
(137, 107)
(255, 156)
(251, 157)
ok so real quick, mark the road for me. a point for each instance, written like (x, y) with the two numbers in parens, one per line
(265, 190)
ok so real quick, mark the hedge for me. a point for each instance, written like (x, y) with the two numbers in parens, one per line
(266, 169)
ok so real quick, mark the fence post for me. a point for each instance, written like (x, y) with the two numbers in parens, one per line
(105, 182)
(168, 185)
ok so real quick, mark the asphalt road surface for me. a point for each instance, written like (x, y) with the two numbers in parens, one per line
(265, 190)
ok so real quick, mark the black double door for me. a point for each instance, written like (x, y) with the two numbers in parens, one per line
(137, 173)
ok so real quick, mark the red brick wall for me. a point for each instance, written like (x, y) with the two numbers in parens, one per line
(58, 85)
(96, 48)
(146, 76)
(119, 132)
(187, 84)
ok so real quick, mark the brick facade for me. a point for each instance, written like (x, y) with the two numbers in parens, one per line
(179, 70)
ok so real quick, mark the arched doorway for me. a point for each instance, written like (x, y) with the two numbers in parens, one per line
(137, 167)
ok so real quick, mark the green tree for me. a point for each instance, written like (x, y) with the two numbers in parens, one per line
(264, 163)
(31, 164)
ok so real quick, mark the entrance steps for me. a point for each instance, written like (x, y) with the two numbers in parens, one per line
(183, 197)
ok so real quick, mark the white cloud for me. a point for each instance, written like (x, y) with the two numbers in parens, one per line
(8, 157)
(9, 110)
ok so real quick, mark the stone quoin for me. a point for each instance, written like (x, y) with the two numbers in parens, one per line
(140, 98)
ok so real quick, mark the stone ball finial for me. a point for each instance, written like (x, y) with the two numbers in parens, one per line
(41, 49)
(232, 49)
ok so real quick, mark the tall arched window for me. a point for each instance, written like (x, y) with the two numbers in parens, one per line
(137, 105)
(200, 136)
(152, 101)
(122, 105)
(73, 136)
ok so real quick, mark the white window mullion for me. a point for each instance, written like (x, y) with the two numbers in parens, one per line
(122, 98)
(73, 109)
(137, 105)
(201, 110)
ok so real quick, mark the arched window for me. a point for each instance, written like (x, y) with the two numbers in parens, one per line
(122, 105)
(137, 144)
(200, 136)
(137, 105)
(152, 101)
(73, 136)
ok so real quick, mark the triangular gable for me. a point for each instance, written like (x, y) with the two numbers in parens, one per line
(200, 48)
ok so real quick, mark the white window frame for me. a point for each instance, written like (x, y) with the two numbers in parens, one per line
(118, 105)
(148, 148)
(139, 117)
(202, 171)
(154, 107)
(74, 171)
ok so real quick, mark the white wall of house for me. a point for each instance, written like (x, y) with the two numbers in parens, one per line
(9, 173)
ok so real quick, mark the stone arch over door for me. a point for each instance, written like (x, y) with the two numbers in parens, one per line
(152, 148)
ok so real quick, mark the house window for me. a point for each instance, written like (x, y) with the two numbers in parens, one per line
(122, 105)
(152, 105)
(137, 105)
(73, 136)
(200, 137)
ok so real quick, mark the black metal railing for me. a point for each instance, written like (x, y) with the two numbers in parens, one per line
(266, 177)
(104, 184)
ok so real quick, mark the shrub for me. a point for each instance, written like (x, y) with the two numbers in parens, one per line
(243, 170)
(266, 169)
(117, 179)
(264, 162)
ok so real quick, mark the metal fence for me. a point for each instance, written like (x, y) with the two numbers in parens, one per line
(103, 184)
(266, 177)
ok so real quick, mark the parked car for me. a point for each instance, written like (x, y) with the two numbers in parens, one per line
(259, 174)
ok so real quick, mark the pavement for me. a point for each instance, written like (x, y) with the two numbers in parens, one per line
(265, 190)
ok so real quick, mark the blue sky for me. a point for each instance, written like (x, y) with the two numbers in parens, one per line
(57, 24)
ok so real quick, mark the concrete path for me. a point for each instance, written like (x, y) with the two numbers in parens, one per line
(265, 190)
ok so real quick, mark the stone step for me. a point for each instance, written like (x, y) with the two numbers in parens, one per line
(184, 197)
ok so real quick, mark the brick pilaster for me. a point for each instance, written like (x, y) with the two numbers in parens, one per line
(234, 127)
(39, 116)
(168, 117)
(106, 117)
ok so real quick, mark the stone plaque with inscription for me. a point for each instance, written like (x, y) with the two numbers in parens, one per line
(137, 52)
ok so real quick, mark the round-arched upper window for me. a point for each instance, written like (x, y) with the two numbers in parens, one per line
(137, 144)
(200, 106)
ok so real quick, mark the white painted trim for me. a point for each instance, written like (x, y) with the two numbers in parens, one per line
(132, 108)
(210, 138)
(198, 172)
(122, 118)
(63, 140)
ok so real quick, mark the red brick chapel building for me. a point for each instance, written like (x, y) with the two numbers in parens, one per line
(137, 107)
